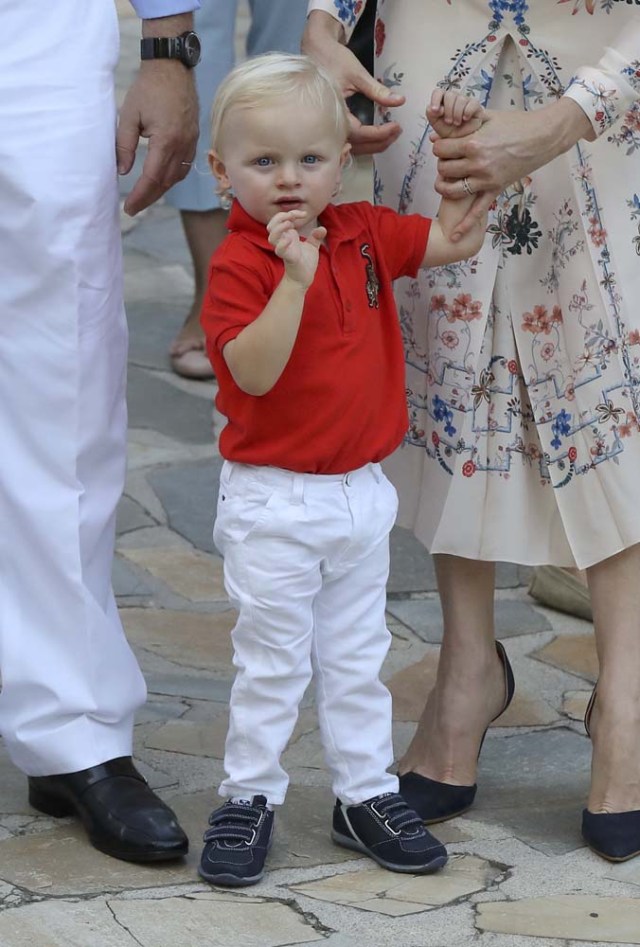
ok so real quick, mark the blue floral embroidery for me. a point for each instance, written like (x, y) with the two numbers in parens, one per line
(561, 425)
(442, 412)
(346, 10)
(632, 72)
(500, 7)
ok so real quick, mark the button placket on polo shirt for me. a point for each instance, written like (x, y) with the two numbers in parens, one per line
(343, 281)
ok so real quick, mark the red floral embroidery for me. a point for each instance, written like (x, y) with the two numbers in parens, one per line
(468, 468)
(435, 439)
(541, 320)
(512, 365)
(572, 453)
(450, 338)
(547, 351)
(597, 233)
(380, 36)
(465, 309)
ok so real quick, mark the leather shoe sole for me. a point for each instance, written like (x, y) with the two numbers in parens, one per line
(123, 817)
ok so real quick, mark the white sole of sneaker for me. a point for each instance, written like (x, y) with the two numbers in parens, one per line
(346, 841)
(231, 881)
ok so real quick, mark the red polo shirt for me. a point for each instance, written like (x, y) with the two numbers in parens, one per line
(340, 402)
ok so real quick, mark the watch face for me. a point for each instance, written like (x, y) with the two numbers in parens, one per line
(191, 47)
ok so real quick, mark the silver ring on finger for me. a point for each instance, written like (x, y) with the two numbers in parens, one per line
(466, 187)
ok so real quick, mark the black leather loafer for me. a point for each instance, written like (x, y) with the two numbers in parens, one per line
(123, 817)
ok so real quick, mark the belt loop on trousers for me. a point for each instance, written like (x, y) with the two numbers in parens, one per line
(297, 489)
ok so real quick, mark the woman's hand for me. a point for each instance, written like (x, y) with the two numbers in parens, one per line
(321, 41)
(508, 146)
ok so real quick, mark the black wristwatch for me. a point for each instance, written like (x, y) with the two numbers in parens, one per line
(185, 47)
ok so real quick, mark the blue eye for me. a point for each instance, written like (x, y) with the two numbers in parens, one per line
(310, 159)
(263, 162)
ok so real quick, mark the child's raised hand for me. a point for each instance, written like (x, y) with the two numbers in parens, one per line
(452, 114)
(300, 257)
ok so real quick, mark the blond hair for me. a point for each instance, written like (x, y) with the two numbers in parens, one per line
(260, 80)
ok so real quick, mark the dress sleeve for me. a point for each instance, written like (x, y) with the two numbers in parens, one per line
(151, 9)
(347, 11)
(608, 90)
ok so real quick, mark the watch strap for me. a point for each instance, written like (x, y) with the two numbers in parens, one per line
(160, 47)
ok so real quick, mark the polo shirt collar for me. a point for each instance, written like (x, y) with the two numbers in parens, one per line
(339, 226)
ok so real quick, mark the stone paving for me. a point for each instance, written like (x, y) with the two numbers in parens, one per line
(518, 873)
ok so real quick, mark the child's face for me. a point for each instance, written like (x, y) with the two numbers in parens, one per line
(279, 157)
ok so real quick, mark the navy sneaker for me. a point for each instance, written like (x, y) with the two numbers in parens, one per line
(237, 843)
(387, 830)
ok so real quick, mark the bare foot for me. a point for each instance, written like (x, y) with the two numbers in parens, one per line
(190, 335)
(187, 351)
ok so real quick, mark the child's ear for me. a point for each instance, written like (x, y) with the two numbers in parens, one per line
(345, 154)
(218, 169)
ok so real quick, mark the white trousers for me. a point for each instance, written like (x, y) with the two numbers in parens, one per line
(306, 560)
(70, 684)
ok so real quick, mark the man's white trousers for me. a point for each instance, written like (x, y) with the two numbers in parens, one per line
(306, 559)
(70, 684)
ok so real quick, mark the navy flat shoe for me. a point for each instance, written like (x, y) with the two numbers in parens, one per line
(435, 801)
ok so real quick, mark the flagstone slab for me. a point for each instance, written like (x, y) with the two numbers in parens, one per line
(194, 739)
(129, 582)
(374, 889)
(61, 862)
(189, 494)
(575, 654)
(163, 294)
(572, 917)
(13, 787)
(199, 640)
(154, 320)
(187, 686)
(161, 710)
(624, 872)
(149, 448)
(188, 572)
(424, 617)
(154, 404)
(411, 686)
(574, 704)
(160, 235)
(535, 785)
(63, 924)
(131, 516)
(215, 919)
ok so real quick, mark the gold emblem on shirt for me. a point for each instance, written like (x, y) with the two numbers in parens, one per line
(373, 283)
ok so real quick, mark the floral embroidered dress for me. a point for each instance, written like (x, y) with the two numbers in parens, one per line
(523, 366)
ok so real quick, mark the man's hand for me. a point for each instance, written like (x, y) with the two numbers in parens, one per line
(162, 106)
(321, 41)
